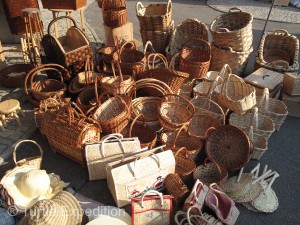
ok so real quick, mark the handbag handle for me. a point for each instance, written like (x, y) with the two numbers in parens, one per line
(117, 135)
(138, 157)
(113, 62)
(153, 192)
(134, 121)
(25, 141)
(140, 9)
(59, 18)
(213, 86)
(114, 137)
(156, 55)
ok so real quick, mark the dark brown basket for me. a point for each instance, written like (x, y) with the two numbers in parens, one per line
(87, 99)
(15, 7)
(65, 4)
(114, 13)
(184, 165)
(195, 60)
(176, 188)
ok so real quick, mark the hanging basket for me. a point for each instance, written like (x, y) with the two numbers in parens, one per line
(114, 13)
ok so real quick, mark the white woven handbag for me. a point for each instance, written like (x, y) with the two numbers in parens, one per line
(112, 147)
(133, 177)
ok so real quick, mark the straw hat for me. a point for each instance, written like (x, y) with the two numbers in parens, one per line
(62, 209)
(103, 219)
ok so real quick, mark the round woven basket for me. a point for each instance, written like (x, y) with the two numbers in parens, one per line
(87, 99)
(201, 123)
(210, 172)
(228, 146)
(176, 188)
(114, 13)
(184, 165)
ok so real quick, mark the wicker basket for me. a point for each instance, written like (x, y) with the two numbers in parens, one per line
(176, 188)
(132, 61)
(201, 123)
(206, 106)
(154, 17)
(190, 28)
(278, 51)
(184, 165)
(66, 4)
(210, 172)
(43, 89)
(273, 108)
(175, 111)
(262, 125)
(195, 57)
(291, 83)
(233, 29)
(228, 146)
(13, 76)
(147, 136)
(114, 13)
(234, 93)
(109, 53)
(35, 161)
(15, 7)
(226, 55)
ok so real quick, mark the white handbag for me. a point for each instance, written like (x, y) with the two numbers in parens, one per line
(112, 147)
(134, 176)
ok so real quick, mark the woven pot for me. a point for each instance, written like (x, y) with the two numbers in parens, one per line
(184, 165)
(176, 188)
(114, 13)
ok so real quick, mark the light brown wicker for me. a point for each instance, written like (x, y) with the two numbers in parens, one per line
(291, 83)
(206, 87)
(292, 103)
(176, 188)
(234, 93)
(228, 146)
(279, 51)
(273, 108)
(114, 13)
(154, 17)
(184, 165)
(226, 55)
(210, 172)
(233, 29)
(88, 76)
(201, 123)
(195, 57)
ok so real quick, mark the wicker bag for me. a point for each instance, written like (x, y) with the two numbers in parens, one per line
(228, 146)
(234, 93)
(185, 166)
(201, 123)
(176, 188)
(279, 51)
(210, 172)
(291, 83)
(226, 55)
(195, 57)
(67, 50)
(114, 13)
(45, 88)
(273, 108)
(68, 130)
(233, 29)
(35, 161)
(175, 111)
(66, 4)
(154, 17)
(190, 28)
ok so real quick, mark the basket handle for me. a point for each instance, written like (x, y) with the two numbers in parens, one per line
(209, 132)
(140, 9)
(280, 64)
(48, 101)
(222, 30)
(213, 86)
(172, 62)
(134, 121)
(160, 56)
(251, 133)
(182, 149)
(177, 134)
(197, 40)
(23, 141)
(254, 122)
(189, 216)
(157, 159)
(216, 164)
(265, 97)
(225, 83)
(113, 62)
(111, 137)
(88, 67)
(149, 43)
(281, 32)
(235, 9)
(125, 43)
(153, 192)
(59, 18)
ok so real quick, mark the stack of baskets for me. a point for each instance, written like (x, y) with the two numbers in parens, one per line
(232, 44)
(155, 24)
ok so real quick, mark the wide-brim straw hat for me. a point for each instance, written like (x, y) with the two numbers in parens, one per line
(62, 209)
(104, 219)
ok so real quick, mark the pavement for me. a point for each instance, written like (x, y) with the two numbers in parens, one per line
(282, 156)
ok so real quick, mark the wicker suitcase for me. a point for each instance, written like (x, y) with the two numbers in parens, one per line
(292, 103)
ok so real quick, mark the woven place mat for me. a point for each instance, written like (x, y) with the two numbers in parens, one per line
(259, 9)
(253, 192)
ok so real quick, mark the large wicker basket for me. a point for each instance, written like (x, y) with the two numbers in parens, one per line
(233, 29)
(114, 13)
(279, 51)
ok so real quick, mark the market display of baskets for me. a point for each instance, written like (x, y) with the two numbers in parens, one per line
(114, 13)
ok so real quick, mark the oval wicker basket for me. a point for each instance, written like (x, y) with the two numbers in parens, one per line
(233, 29)
(114, 13)
(201, 123)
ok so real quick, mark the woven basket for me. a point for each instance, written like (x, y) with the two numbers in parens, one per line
(15, 7)
(234, 93)
(210, 172)
(147, 136)
(13, 76)
(88, 76)
(205, 106)
(181, 138)
(176, 188)
(207, 85)
(195, 57)
(175, 111)
(116, 84)
(262, 125)
(291, 83)
(114, 13)
(35, 161)
(154, 17)
(131, 60)
(184, 165)
(113, 115)
(226, 55)
(190, 28)
(273, 108)
(43, 89)
(108, 53)
(68, 130)
(233, 29)
(279, 51)
(201, 123)
(66, 4)
(228, 146)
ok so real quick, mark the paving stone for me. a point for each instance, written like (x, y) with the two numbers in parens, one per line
(16, 135)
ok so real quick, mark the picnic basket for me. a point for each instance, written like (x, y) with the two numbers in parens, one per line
(66, 4)
(114, 13)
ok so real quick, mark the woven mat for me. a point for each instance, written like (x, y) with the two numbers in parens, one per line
(259, 9)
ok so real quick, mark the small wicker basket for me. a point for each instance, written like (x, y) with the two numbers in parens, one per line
(114, 13)
(184, 165)
(176, 188)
